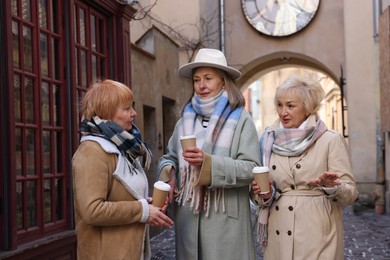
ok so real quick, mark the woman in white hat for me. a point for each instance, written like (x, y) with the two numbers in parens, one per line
(210, 182)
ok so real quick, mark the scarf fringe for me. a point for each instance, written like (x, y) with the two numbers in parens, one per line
(148, 159)
(183, 181)
(261, 229)
(199, 197)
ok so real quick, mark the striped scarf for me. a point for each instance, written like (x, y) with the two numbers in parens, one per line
(215, 139)
(129, 143)
(285, 142)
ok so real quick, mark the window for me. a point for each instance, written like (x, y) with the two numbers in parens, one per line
(39, 112)
(50, 70)
(90, 33)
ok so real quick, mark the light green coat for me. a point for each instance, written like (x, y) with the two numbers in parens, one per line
(222, 235)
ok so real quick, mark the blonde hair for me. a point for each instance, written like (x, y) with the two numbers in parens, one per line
(103, 99)
(235, 96)
(310, 92)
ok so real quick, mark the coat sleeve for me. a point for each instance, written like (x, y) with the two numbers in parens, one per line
(338, 162)
(171, 157)
(236, 171)
(92, 182)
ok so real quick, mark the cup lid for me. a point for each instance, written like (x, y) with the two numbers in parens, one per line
(187, 137)
(162, 186)
(260, 169)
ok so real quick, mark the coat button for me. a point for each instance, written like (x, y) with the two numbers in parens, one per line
(289, 233)
(273, 167)
(292, 187)
(290, 208)
(277, 207)
(277, 232)
(298, 166)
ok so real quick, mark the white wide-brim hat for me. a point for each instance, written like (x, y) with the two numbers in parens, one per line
(209, 58)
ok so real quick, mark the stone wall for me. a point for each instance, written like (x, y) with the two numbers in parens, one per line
(159, 91)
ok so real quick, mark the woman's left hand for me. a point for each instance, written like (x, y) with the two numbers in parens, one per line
(326, 180)
(256, 190)
(164, 207)
(158, 218)
(194, 156)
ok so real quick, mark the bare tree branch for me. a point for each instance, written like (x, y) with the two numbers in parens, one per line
(206, 34)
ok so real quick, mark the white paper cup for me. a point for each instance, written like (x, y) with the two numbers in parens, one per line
(160, 193)
(188, 141)
(261, 176)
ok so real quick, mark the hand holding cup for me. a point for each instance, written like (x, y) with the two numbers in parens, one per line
(261, 176)
(160, 193)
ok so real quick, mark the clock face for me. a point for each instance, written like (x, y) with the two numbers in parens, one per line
(279, 17)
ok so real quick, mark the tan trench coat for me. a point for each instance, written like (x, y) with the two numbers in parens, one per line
(305, 223)
(106, 215)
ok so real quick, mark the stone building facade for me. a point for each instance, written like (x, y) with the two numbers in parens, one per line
(341, 41)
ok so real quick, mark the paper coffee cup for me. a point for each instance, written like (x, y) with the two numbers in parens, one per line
(160, 193)
(188, 141)
(261, 176)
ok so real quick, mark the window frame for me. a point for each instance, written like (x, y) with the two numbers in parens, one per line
(117, 66)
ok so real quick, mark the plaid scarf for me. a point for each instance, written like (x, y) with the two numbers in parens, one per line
(129, 143)
(290, 141)
(215, 139)
(285, 142)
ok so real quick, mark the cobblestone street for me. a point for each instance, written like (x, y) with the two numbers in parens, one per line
(367, 236)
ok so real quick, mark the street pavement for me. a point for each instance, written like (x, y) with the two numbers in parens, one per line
(366, 236)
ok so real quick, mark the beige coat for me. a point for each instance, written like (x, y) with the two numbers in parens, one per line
(304, 222)
(107, 217)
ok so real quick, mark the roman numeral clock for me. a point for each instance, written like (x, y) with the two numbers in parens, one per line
(279, 18)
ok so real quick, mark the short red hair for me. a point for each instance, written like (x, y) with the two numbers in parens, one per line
(104, 98)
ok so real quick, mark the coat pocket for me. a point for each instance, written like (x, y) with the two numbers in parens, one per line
(231, 197)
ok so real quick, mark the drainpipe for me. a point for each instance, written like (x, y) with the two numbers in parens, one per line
(222, 25)
(380, 187)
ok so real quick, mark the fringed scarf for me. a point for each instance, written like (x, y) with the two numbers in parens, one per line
(215, 139)
(129, 143)
(285, 142)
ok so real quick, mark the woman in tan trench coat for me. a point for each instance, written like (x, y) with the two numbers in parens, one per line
(111, 203)
(311, 179)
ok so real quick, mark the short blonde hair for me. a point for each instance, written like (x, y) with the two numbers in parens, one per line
(104, 98)
(310, 92)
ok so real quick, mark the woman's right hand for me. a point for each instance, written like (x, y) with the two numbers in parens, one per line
(157, 218)
(194, 156)
(256, 190)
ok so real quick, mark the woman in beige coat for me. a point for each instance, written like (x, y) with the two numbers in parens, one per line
(111, 203)
(311, 179)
